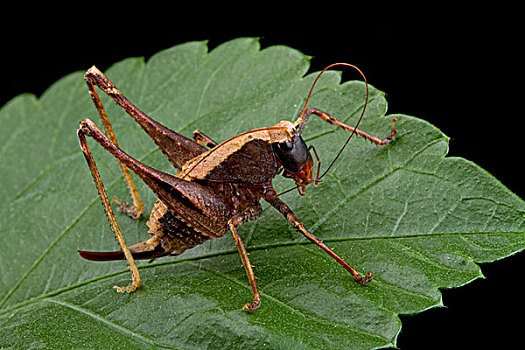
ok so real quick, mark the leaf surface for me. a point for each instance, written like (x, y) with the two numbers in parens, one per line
(419, 220)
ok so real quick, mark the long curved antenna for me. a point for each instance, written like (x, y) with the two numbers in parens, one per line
(300, 122)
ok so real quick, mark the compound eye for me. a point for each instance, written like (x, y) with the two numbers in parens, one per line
(293, 154)
(286, 146)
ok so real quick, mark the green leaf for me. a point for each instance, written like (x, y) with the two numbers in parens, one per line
(419, 220)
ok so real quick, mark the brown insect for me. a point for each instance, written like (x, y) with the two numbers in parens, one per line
(218, 186)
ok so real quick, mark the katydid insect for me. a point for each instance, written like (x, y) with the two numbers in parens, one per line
(218, 186)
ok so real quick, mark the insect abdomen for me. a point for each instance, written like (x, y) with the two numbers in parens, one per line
(170, 235)
(175, 235)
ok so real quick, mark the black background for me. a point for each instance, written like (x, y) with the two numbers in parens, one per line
(460, 72)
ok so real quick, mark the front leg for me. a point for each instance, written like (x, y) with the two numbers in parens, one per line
(271, 197)
(329, 119)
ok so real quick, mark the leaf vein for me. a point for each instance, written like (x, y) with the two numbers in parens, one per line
(59, 124)
(162, 86)
(292, 309)
(45, 252)
(337, 206)
(400, 218)
(223, 64)
(105, 321)
(34, 181)
(377, 281)
(421, 257)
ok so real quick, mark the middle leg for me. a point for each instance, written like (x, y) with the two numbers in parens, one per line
(271, 197)
(250, 214)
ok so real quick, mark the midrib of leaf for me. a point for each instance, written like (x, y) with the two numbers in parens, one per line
(145, 339)
(316, 225)
(396, 239)
(254, 248)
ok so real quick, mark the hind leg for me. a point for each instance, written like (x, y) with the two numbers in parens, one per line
(135, 276)
(177, 148)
